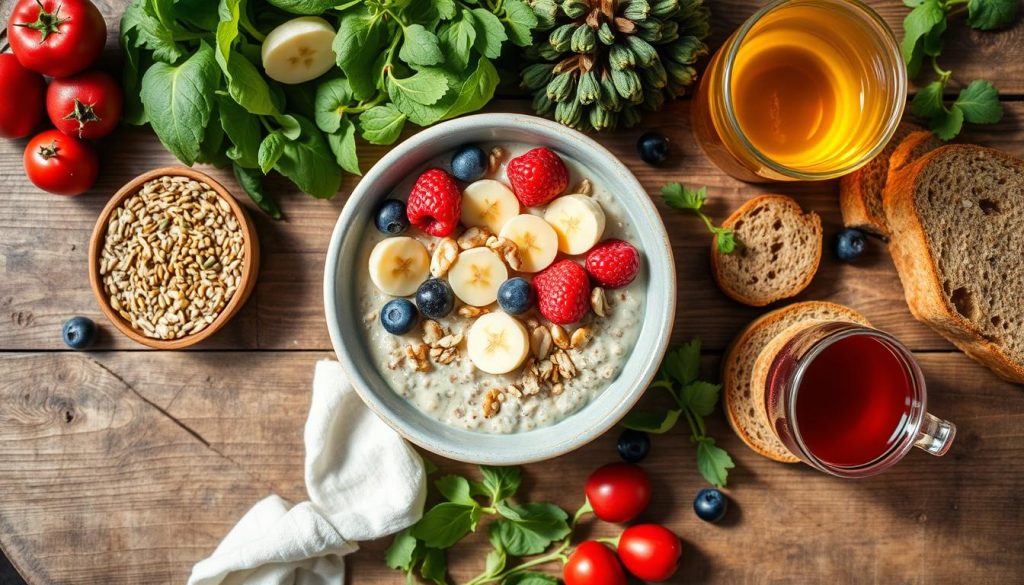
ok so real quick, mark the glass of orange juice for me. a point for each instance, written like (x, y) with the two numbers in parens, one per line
(804, 90)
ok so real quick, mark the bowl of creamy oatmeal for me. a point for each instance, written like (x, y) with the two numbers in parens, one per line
(499, 289)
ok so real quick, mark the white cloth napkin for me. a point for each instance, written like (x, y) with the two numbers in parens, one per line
(363, 480)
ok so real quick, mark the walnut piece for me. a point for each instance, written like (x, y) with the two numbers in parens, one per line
(584, 188)
(445, 253)
(474, 237)
(599, 302)
(496, 157)
(508, 250)
(471, 312)
(492, 402)
(417, 357)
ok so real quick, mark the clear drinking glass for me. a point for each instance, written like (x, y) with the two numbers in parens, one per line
(844, 365)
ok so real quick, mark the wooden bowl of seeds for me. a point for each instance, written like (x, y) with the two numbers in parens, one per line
(172, 258)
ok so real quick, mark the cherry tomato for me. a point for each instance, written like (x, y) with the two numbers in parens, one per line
(87, 105)
(21, 98)
(56, 37)
(618, 492)
(60, 164)
(593, 563)
(650, 551)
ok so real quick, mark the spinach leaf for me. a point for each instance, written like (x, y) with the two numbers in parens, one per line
(150, 33)
(521, 22)
(244, 131)
(332, 97)
(179, 100)
(244, 82)
(211, 150)
(381, 124)
(311, 7)
(305, 161)
(475, 91)
(420, 46)
(271, 150)
(134, 112)
(252, 182)
(359, 41)
(457, 39)
(343, 145)
(490, 33)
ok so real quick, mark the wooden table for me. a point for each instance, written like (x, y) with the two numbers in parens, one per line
(127, 466)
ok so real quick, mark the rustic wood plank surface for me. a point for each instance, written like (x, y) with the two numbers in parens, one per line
(122, 466)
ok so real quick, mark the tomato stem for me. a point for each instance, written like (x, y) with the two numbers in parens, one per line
(46, 22)
(48, 152)
(83, 114)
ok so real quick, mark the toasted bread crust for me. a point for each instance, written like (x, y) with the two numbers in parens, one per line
(919, 273)
(860, 193)
(911, 148)
(740, 213)
(734, 403)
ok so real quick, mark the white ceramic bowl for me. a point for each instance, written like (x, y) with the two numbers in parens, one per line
(344, 320)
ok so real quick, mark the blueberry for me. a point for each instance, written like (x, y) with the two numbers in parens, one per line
(710, 505)
(391, 218)
(435, 298)
(516, 296)
(634, 445)
(79, 332)
(398, 316)
(850, 244)
(653, 148)
(469, 163)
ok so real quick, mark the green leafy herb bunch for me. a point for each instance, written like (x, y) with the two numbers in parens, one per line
(596, 63)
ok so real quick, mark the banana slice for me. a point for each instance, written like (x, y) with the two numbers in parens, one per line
(488, 203)
(578, 220)
(497, 343)
(476, 275)
(399, 265)
(536, 239)
(299, 50)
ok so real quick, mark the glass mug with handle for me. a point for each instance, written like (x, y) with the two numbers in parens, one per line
(850, 400)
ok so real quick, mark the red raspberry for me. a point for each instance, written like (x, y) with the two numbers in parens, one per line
(435, 203)
(537, 176)
(563, 292)
(613, 263)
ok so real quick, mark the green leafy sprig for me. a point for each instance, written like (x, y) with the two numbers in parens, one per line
(924, 28)
(679, 197)
(695, 399)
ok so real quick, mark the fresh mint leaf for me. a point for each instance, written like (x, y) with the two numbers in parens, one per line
(307, 7)
(416, 112)
(980, 103)
(947, 124)
(445, 524)
(495, 562)
(179, 100)
(521, 22)
(251, 182)
(381, 124)
(435, 567)
(529, 528)
(343, 145)
(244, 131)
(530, 578)
(498, 483)
(918, 23)
(713, 462)
(931, 43)
(332, 98)
(475, 92)
(682, 363)
(725, 240)
(457, 39)
(928, 101)
(420, 46)
(358, 44)
(680, 197)
(405, 551)
(455, 489)
(490, 33)
(912, 3)
(652, 422)
(425, 87)
(445, 8)
(271, 150)
(991, 14)
(700, 397)
(306, 163)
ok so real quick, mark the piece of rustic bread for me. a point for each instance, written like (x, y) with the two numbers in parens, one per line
(744, 401)
(911, 148)
(957, 219)
(860, 192)
(778, 248)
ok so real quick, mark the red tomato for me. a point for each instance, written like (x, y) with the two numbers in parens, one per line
(593, 563)
(21, 98)
(60, 164)
(650, 551)
(56, 37)
(618, 492)
(87, 105)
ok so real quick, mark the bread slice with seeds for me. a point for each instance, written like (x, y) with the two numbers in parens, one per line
(860, 192)
(957, 242)
(743, 400)
(778, 248)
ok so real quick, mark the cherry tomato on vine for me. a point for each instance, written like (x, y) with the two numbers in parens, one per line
(87, 105)
(56, 37)
(593, 563)
(650, 551)
(60, 164)
(618, 492)
(21, 98)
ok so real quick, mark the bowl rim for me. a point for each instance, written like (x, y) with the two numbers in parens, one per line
(632, 390)
(250, 263)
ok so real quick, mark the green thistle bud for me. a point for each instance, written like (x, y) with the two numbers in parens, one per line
(609, 98)
(649, 30)
(575, 8)
(537, 75)
(669, 31)
(645, 53)
(569, 113)
(605, 34)
(686, 50)
(637, 10)
(681, 74)
(561, 87)
(654, 76)
(584, 39)
(654, 100)
(663, 9)
(601, 119)
(546, 12)
(629, 117)
(621, 57)
(561, 37)
(548, 53)
(627, 84)
(542, 105)
(589, 89)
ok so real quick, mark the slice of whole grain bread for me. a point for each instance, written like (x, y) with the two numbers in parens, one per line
(778, 248)
(957, 218)
(744, 400)
(911, 148)
(860, 192)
